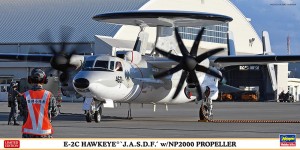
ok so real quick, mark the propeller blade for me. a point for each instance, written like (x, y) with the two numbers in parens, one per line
(208, 71)
(197, 84)
(168, 72)
(76, 49)
(63, 77)
(65, 35)
(208, 54)
(181, 45)
(180, 84)
(47, 38)
(195, 46)
(169, 55)
(49, 71)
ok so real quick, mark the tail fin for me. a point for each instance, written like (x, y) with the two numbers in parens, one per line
(268, 51)
(266, 43)
(166, 40)
(141, 42)
(230, 44)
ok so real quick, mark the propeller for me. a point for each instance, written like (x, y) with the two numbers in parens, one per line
(61, 58)
(189, 63)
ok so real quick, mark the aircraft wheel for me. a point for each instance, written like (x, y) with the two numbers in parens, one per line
(97, 115)
(88, 117)
(203, 112)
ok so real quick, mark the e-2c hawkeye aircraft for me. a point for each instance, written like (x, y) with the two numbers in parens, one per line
(167, 75)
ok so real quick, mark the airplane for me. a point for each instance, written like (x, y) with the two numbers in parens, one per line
(168, 75)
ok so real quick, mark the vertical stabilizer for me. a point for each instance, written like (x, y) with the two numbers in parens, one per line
(141, 42)
(165, 40)
(266, 43)
(268, 51)
(230, 44)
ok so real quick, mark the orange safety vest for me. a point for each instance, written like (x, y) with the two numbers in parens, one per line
(37, 122)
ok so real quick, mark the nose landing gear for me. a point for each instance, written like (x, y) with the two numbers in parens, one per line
(93, 110)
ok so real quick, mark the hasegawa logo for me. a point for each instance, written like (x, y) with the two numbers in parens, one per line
(287, 139)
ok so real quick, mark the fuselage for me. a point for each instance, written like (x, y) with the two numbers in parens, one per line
(105, 77)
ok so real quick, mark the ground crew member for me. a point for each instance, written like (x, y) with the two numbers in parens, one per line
(37, 107)
(13, 103)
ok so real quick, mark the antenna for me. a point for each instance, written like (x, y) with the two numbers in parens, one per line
(288, 45)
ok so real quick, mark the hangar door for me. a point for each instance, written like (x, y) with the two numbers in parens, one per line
(253, 77)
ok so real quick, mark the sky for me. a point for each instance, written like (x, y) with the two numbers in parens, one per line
(281, 18)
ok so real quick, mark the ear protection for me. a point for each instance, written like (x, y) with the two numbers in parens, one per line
(37, 76)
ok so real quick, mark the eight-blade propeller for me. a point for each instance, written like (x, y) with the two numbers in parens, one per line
(189, 62)
(61, 58)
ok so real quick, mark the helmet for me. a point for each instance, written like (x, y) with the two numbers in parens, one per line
(37, 76)
(13, 84)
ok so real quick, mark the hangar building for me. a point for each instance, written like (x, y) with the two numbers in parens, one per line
(28, 26)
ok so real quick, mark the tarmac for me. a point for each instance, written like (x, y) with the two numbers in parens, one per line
(180, 121)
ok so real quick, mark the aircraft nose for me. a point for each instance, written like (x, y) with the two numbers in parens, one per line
(81, 83)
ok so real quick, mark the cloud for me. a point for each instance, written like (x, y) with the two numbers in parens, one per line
(287, 1)
(279, 1)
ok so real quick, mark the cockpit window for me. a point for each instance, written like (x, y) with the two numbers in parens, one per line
(118, 66)
(88, 64)
(112, 65)
(101, 64)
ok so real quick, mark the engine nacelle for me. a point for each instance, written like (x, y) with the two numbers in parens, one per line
(77, 60)
(190, 93)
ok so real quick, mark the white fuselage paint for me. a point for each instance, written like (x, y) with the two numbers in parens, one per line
(133, 89)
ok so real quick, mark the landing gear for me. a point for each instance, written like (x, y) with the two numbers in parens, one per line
(88, 117)
(205, 111)
(97, 115)
(129, 112)
(93, 110)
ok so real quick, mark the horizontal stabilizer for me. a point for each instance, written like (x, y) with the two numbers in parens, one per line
(120, 43)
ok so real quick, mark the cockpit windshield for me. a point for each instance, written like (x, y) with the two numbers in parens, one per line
(88, 64)
(100, 65)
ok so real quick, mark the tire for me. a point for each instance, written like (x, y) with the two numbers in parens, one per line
(88, 117)
(202, 112)
(97, 115)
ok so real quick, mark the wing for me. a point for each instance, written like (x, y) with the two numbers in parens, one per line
(26, 57)
(224, 61)
(160, 62)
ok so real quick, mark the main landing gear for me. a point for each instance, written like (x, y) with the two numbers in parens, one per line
(93, 110)
(129, 112)
(205, 111)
